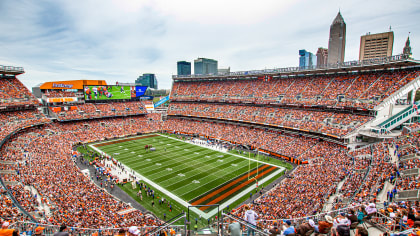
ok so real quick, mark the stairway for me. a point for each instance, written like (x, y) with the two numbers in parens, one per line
(330, 203)
(398, 118)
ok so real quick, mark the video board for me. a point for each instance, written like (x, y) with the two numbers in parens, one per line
(113, 92)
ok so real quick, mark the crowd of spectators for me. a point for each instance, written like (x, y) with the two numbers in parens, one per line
(363, 90)
(14, 93)
(46, 164)
(274, 141)
(337, 124)
(11, 121)
(8, 210)
(306, 189)
(407, 149)
(98, 110)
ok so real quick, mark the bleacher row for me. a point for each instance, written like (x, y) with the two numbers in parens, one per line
(362, 90)
(98, 110)
(14, 93)
(330, 123)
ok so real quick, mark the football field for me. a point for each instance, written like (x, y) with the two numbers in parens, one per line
(188, 173)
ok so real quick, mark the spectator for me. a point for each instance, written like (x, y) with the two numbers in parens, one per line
(5, 231)
(250, 217)
(133, 230)
(305, 228)
(62, 231)
(234, 228)
(274, 230)
(361, 231)
(288, 228)
(352, 216)
(39, 230)
(324, 226)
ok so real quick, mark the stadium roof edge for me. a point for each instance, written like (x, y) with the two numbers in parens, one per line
(398, 61)
(11, 70)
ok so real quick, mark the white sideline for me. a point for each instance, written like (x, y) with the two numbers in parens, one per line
(183, 202)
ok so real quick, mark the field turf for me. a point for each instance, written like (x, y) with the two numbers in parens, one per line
(195, 174)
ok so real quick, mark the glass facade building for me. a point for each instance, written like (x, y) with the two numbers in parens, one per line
(204, 66)
(148, 80)
(184, 68)
(306, 59)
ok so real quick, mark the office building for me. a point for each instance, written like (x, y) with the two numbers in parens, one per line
(184, 68)
(204, 66)
(337, 40)
(306, 59)
(148, 80)
(376, 45)
(321, 57)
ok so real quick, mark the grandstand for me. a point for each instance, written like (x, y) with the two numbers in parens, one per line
(341, 127)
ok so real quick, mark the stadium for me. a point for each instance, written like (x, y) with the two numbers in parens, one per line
(293, 144)
(330, 147)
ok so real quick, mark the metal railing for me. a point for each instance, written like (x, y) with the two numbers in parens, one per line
(168, 224)
(390, 122)
(244, 224)
(11, 69)
(51, 229)
(378, 220)
(349, 64)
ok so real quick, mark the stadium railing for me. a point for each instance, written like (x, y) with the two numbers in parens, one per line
(243, 223)
(378, 220)
(51, 229)
(348, 64)
(11, 69)
(169, 224)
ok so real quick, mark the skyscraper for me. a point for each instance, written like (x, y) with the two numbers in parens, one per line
(337, 41)
(184, 68)
(407, 47)
(321, 57)
(376, 45)
(148, 80)
(306, 59)
(204, 66)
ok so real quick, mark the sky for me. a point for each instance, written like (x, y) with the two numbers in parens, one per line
(118, 40)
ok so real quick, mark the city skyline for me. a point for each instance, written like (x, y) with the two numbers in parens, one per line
(118, 41)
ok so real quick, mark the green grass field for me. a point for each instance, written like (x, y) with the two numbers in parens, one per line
(188, 174)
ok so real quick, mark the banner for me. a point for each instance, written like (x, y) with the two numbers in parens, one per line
(162, 101)
(149, 107)
(71, 99)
